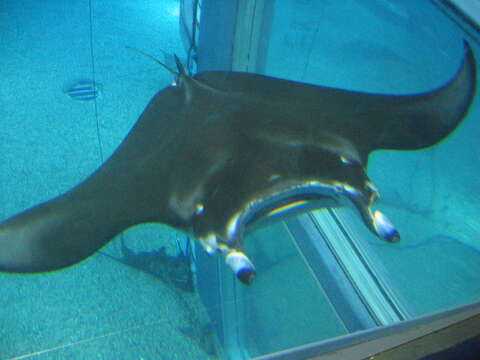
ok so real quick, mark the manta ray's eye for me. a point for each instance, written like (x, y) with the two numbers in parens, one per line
(345, 161)
(199, 209)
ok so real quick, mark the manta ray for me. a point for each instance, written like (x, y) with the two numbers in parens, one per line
(219, 153)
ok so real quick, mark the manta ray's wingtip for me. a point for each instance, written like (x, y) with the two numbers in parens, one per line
(467, 47)
(431, 116)
(468, 57)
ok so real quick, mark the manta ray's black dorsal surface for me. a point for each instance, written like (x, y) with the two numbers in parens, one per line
(220, 152)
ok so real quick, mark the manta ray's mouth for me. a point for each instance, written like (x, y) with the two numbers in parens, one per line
(290, 203)
(286, 201)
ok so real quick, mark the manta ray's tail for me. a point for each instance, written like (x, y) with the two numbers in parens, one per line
(422, 120)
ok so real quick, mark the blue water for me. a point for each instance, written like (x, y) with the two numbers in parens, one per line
(49, 142)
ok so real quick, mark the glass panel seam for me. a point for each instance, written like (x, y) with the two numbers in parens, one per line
(356, 269)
